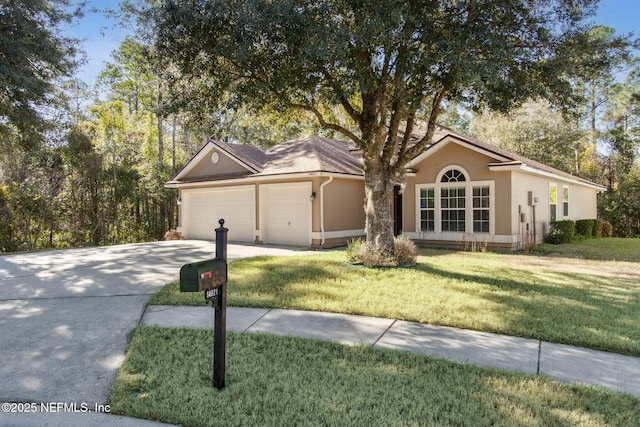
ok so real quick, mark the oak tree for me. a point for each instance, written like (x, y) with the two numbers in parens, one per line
(387, 64)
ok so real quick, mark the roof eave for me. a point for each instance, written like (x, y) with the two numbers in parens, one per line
(257, 178)
(522, 167)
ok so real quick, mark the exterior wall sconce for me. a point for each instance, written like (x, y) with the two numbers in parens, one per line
(312, 197)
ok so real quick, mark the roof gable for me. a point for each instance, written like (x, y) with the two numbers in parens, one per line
(504, 160)
(219, 159)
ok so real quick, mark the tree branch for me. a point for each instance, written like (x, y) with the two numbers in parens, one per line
(419, 146)
(352, 112)
(346, 132)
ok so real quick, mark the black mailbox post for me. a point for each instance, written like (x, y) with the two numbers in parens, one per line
(210, 276)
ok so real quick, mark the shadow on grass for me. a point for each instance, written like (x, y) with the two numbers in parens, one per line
(584, 310)
(567, 308)
(290, 381)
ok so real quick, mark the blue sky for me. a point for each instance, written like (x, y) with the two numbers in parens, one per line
(101, 35)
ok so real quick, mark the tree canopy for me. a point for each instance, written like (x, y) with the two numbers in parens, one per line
(33, 54)
(387, 64)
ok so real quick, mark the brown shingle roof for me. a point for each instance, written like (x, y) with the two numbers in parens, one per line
(254, 157)
(312, 154)
(317, 154)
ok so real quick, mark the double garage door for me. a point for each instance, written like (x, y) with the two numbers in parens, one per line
(285, 213)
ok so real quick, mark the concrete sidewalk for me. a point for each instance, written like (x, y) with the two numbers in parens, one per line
(560, 362)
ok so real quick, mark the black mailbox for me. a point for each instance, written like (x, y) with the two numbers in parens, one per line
(203, 275)
(210, 276)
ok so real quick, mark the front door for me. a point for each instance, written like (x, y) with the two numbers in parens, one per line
(397, 210)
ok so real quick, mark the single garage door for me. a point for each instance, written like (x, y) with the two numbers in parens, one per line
(203, 208)
(287, 213)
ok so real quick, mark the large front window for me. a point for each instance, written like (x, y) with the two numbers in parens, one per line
(455, 204)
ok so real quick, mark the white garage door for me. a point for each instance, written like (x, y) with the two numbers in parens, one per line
(203, 208)
(287, 213)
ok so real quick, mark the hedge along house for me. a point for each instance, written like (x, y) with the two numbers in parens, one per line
(459, 192)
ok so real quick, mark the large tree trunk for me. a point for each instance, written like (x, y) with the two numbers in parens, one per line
(377, 208)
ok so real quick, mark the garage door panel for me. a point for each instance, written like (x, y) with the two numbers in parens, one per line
(288, 214)
(205, 208)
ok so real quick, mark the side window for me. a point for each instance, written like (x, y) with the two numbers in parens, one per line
(565, 201)
(553, 202)
(481, 210)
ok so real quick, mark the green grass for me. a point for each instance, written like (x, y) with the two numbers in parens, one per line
(290, 381)
(609, 249)
(584, 303)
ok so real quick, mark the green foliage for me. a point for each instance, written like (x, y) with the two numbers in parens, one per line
(33, 54)
(621, 205)
(561, 232)
(607, 229)
(596, 229)
(584, 227)
(7, 242)
(354, 247)
(276, 381)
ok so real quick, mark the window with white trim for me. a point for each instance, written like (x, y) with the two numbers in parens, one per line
(454, 204)
(427, 209)
(553, 202)
(481, 209)
(453, 209)
(565, 201)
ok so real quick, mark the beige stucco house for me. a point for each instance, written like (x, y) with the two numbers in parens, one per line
(459, 192)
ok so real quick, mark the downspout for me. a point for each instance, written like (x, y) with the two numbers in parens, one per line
(322, 210)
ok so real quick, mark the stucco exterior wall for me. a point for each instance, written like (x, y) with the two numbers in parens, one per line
(224, 166)
(344, 204)
(582, 204)
(476, 166)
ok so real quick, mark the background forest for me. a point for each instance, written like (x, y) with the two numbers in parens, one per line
(86, 165)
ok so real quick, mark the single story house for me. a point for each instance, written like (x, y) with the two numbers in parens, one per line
(459, 192)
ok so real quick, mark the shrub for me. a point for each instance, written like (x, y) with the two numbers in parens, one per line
(561, 232)
(354, 248)
(606, 229)
(405, 252)
(584, 227)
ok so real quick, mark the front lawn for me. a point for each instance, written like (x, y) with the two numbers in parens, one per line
(275, 381)
(591, 304)
(608, 249)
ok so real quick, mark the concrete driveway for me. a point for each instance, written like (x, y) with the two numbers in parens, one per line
(66, 315)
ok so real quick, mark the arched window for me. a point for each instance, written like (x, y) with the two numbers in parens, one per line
(455, 203)
(453, 175)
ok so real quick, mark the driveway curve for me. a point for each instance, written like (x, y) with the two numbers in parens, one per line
(66, 315)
